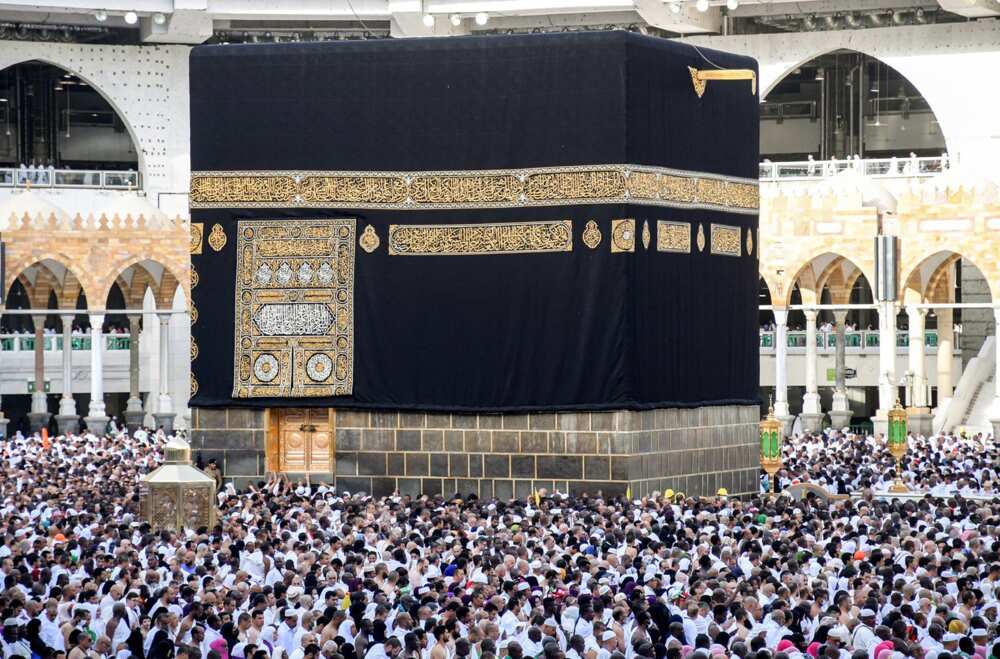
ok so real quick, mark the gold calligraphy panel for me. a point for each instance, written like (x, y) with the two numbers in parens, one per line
(673, 237)
(509, 188)
(726, 240)
(294, 332)
(457, 239)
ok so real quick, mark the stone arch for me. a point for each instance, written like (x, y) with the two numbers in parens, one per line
(69, 68)
(812, 281)
(771, 75)
(19, 265)
(67, 289)
(163, 290)
(923, 274)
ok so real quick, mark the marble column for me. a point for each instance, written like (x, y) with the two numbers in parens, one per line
(97, 418)
(781, 370)
(945, 356)
(887, 385)
(840, 414)
(39, 415)
(995, 415)
(812, 414)
(134, 413)
(918, 414)
(165, 414)
(67, 419)
(3, 420)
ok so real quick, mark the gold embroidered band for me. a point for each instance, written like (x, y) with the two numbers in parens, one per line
(458, 239)
(543, 186)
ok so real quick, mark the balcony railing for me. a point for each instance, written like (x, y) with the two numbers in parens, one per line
(13, 177)
(861, 341)
(52, 343)
(876, 167)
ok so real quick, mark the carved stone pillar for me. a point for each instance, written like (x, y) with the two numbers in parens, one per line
(781, 370)
(165, 414)
(840, 414)
(919, 417)
(812, 414)
(39, 415)
(995, 416)
(887, 385)
(134, 413)
(97, 418)
(67, 419)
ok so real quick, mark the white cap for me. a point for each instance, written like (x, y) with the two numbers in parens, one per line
(608, 635)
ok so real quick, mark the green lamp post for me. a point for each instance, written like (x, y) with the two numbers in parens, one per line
(770, 446)
(897, 444)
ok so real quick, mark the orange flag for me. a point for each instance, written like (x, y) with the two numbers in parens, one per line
(45, 439)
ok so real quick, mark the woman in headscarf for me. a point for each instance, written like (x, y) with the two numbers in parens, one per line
(221, 646)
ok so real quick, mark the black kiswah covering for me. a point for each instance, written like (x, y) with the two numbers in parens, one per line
(584, 329)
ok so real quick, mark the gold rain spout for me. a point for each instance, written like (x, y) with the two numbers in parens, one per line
(700, 78)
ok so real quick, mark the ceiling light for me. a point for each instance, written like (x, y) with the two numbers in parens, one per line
(455, 19)
(819, 75)
(731, 5)
(159, 18)
(482, 18)
(131, 17)
(674, 7)
(101, 15)
(702, 5)
(428, 20)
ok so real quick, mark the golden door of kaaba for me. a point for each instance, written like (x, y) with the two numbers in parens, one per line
(300, 441)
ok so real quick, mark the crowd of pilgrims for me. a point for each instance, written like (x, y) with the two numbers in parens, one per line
(303, 571)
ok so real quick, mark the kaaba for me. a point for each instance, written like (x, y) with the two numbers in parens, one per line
(486, 264)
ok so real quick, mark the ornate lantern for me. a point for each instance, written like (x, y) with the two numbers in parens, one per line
(770, 446)
(177, 495)
(897, 444)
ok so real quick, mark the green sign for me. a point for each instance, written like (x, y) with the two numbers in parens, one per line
(31, 386)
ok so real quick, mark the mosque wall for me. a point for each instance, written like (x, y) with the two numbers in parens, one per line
(146, 85)
(951, 64)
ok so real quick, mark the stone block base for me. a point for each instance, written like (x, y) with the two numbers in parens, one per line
(787, 422)
(165, 421)
(920, 423)
(67, 423)
(812, 423)
(880, 425)
(840, 419)
(38, 420)
(695, 451)
(133, 420)
(96, 424)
